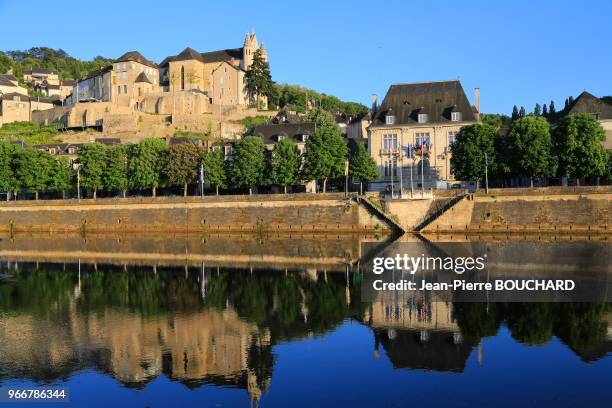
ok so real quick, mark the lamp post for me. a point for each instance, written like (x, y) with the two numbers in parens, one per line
(201, 180)
(77, 167)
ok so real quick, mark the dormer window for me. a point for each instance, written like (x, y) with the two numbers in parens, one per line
(422, 118)
(280, 137)
(455, 116)
(390, 118)
(305, 138)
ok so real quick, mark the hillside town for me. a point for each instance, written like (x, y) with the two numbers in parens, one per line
(218, 100)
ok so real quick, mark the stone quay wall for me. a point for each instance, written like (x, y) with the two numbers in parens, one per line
(564, 210)
(258, 213)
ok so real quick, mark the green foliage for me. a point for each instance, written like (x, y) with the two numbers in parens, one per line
(321, 118)
(257, 80)
(495, 120)
(48, 58)
(296, 97)
(326, 150)
(62, 177)
(8, 181)
(145, 163)
(248, 164)
(33, 169)
(468, 158)
(251, 121)
(116, 171)
(181, 163)
(285, 161)
(537, 110)
(92, 159)
(214, 168)
(578, 147)
(530, 148)
(362, 167)
(28, 133)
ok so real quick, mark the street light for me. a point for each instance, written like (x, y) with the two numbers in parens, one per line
(77, 167)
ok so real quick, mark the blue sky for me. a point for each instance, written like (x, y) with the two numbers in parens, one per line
(516, 52)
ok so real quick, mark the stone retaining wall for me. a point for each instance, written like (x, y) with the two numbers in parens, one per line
(262, 213)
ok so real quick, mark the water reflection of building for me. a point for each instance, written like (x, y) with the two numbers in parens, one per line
(206, 347)
(419, 333)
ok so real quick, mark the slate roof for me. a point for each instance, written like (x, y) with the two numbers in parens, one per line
(204, 57)
(8, 80)
(269, 133)
(68, 82)
(20, 97)
(96, 73)
(136, 57)
(588, 103)
(36, 70)
(436, 99)
(142, 77)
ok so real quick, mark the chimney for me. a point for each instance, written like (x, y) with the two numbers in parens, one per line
(477, 99)
(374, 106)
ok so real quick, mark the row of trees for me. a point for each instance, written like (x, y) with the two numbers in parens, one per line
(532, 149)
(151, 164)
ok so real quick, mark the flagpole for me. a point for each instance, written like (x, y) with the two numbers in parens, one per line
(410, 148)
(422, 176)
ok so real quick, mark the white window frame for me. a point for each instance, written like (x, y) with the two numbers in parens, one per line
(423, 118)
(389, 119)
(455, 116)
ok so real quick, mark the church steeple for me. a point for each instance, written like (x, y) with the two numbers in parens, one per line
(249, 48)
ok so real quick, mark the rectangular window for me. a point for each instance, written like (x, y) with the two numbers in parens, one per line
(305, 138)
(124, 88)
(389, 120)
(452, 136)
(390, 168)
(390, 141)
(421, 138)
(119, 89)
(423, 118)
(455, 116)
(280, 137)
(124, 65)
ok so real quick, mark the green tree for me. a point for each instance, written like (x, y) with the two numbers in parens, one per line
(551, 109)
(515, 113)
(578, 145)
(33, 169)
(62, 177)
(249, 163)
(285, 162)
(522, 112)
(257, 80)
(180, 165)
(530, 148)
(537, 111)
(92, 161)
(116, 172)
(362, 167)
(214, 168)
(145, 164)
(8, 181)
(468, 152)
(545, 111)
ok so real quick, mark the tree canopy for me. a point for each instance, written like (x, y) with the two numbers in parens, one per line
(145, 164)
(214, 168)
(578, 147)
(248, 163)
(258, 80)
(92, 160)
(181, 164)
(530, 148)
(468, 158)
(362, 167)
(285, 163)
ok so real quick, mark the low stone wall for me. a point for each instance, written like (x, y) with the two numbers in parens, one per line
(557, 210)
(262, 213)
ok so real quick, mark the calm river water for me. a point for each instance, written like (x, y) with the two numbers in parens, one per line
(277, 322)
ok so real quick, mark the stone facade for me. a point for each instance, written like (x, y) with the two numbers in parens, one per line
(429, 114)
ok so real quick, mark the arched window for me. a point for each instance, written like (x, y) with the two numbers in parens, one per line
(182, 77)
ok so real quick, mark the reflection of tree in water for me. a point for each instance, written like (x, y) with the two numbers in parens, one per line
(580, 326)
(289, 305)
